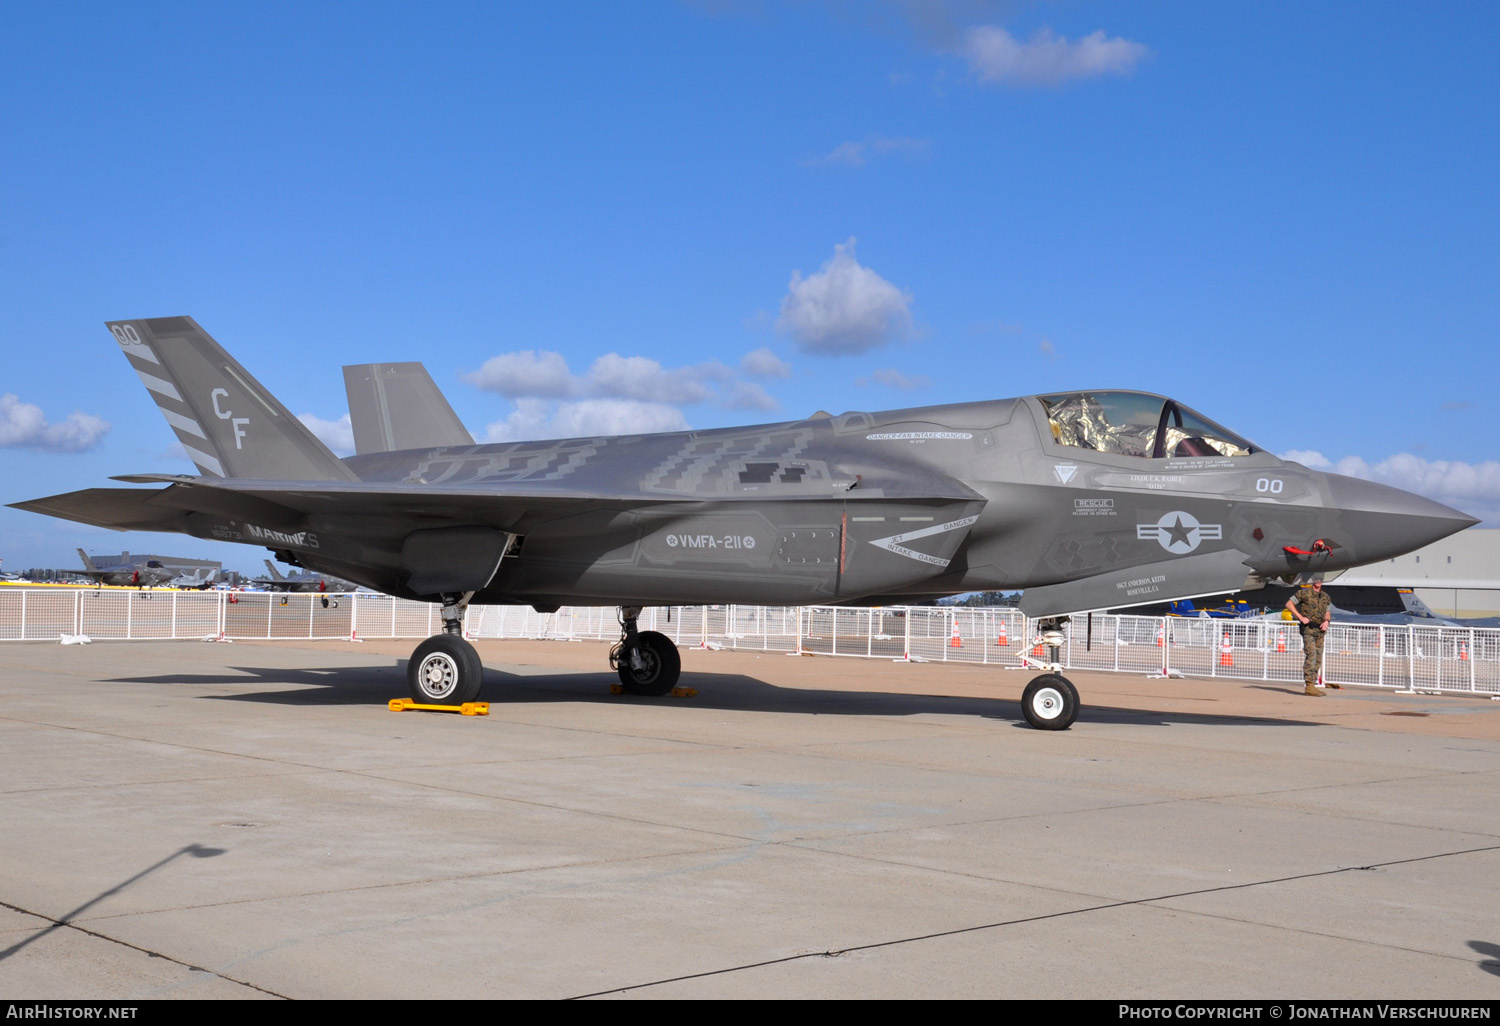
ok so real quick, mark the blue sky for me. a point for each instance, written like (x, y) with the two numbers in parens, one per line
(623, 217)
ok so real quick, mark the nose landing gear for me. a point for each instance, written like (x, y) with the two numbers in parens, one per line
(1050, 701)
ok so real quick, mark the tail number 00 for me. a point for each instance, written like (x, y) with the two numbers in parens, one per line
(1268, 484)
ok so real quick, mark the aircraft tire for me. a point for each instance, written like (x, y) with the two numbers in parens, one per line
(444, 670)
(663, 665)
(1050, 702)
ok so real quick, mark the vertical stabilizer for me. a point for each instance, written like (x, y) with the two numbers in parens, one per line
(276, 574)
(225, 419)
(88, 564)
(397, 406)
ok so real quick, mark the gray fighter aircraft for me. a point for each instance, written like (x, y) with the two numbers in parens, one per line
(200, 579)
(146, 573)
(1086, 500)
(305, 581)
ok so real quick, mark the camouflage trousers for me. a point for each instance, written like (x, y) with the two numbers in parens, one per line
(1312, 654)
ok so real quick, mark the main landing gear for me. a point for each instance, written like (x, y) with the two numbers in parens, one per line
(647, 662)
(445, 669)
(1050, 702)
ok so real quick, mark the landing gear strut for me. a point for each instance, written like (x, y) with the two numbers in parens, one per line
(647, 662)
(1050, 701)
(445, 669)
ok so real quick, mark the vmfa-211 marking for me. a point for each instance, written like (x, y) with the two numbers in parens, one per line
(1086, 500)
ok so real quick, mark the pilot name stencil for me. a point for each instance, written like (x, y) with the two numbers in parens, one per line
(1142, 585)
(1154, 480)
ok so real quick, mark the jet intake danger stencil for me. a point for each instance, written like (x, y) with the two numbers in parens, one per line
(894, 543)
(1178, 532)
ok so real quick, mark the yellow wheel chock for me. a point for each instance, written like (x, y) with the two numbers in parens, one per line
(619, 689)
(467, 709)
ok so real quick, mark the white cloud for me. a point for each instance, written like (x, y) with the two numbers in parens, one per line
(618, 395)
(856, 153)
(1472, 488)
(636, 377)
(1046, 59)
(538, 419)
(843, 307)
(762, 363)
(23, 426)
(747, 395)
(546, 375)
(527, 373)
(338, 435)
(892, 378)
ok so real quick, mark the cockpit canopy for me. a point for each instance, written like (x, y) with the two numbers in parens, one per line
(1137, 424)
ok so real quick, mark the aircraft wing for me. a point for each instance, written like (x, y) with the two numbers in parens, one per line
(281, 503)
(1209, 573)
(246, 498)
(277, 502)
(119, 509)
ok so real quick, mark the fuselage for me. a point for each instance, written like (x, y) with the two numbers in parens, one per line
(869, 507)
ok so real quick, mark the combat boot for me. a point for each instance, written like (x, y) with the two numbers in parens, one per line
(1315, 691)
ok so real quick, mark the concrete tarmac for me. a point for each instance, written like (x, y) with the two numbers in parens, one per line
(180, 819)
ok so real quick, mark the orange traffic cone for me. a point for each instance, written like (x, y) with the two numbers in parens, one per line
(1463, 652)
(1161, 635)
(955, 641)
(1225, 659)
(1003, 641)
(1281, 641)
(1037, 651)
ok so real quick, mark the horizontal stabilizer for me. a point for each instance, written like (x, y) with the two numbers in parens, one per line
(397, 406)
(1211, 573)
(119, 509)
(225, 419)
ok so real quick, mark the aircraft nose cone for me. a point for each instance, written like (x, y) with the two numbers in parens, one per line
(1385, 522)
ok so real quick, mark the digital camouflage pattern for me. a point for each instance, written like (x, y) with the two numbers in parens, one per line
(1314, 605)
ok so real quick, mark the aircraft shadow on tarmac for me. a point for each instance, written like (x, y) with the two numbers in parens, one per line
(1492, 964)
(376, 685)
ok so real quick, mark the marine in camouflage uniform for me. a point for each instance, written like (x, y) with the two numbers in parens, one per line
(1314, 610)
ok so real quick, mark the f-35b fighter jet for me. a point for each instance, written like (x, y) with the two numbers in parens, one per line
(124, 572)
(278, 581)
(1086, 500)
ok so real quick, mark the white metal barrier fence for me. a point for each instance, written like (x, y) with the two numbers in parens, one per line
(1454, 659)
(28, 614)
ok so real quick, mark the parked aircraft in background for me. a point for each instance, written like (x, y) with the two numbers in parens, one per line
(278, 581)
(145, 573)
(1085, 500)
(201, 579)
